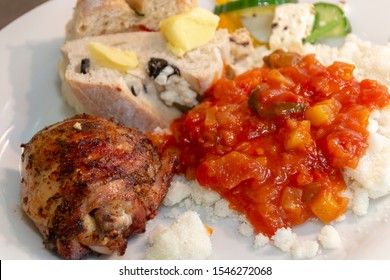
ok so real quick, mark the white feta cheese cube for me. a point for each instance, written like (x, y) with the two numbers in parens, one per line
(292, 23)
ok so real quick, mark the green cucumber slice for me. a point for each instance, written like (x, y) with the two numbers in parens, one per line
(243, 4)
(330, 21)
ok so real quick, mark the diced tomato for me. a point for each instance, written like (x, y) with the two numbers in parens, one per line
(228, 171)
(342, 70)
(294, 206)
(373, 94)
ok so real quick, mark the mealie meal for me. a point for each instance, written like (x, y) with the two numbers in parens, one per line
(190, 107)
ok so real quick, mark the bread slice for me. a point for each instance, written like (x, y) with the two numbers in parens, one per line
(134, 98)
(98, 17)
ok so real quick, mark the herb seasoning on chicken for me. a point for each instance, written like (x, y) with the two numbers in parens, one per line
(89, 184)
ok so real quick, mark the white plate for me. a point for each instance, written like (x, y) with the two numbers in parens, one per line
(30, 100)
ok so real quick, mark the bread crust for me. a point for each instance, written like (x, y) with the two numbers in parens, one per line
(97, 17)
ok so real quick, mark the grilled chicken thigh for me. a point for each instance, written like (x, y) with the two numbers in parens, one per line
(89, 184)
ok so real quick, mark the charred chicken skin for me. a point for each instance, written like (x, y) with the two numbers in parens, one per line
(89, 184)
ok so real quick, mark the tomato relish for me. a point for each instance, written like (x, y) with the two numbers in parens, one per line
(274, 140)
